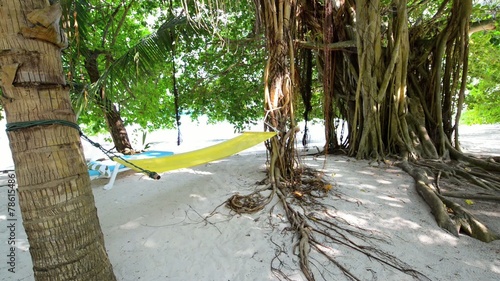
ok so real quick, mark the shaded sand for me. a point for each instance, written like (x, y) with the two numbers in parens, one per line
(176, 228)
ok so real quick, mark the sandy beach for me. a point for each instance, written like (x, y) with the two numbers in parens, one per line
(178, 227)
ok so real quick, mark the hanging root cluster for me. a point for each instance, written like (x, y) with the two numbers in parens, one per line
(318, 234)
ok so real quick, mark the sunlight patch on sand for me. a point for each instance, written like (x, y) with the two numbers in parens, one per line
(199, 197)
(438, 237)
(130, 225)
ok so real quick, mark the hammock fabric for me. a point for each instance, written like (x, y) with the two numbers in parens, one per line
(200, 156)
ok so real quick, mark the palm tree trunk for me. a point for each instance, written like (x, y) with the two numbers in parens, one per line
(57, 203)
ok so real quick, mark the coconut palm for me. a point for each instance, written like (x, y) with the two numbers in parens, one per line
(56, 200)
(57, 203)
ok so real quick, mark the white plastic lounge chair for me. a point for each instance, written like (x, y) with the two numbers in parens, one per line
(110, 169)
(94, 174)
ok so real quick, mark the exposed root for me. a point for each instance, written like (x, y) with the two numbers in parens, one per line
(479, 196)
(317, 232)
(467, 223)
(491, 165)
(250, 203)
(450, 215)
(425, 188)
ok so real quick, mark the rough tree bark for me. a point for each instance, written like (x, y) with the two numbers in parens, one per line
(408, 106)
(396, 103)
(367, 131)
(279, 86)
(114, 122)
(279, 20)
(367, 83)
(56, 200)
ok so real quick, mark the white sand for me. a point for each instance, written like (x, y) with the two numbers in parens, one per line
(156, 230)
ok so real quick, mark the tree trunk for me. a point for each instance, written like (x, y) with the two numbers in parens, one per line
(404, 104)
(330, 99)
(57, 203)
(367, 131)
(116, 127)
(114, 122)
(279, 86)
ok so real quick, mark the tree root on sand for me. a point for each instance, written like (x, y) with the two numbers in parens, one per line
(464, 174)
(318, 233)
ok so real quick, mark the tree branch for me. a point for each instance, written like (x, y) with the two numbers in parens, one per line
(486, 25)
(330, 46)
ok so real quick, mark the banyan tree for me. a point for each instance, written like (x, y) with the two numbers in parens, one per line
(395, 72)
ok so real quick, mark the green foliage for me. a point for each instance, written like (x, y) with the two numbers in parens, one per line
(483, 114)
(144, 57)
(219, 69)
(131, 61)
(483, 97)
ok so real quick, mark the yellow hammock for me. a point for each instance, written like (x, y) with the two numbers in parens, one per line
(197, 157)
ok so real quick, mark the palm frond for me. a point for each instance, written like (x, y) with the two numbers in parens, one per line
(143, 57)
(79, 97)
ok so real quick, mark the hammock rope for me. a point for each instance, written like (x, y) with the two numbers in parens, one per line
(165, 163)
(28, 124)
